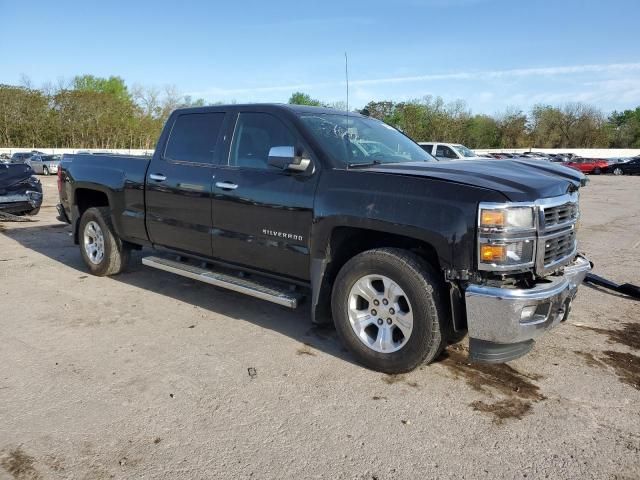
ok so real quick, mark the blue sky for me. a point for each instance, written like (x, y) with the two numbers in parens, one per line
(491, 53)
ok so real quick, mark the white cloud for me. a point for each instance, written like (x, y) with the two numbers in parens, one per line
(616, 68)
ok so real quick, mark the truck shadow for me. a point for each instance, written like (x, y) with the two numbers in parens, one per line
(54, 241)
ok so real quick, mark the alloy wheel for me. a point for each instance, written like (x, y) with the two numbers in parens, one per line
(380, 313)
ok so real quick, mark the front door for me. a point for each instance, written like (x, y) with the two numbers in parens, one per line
(262, 215)
(179, 182)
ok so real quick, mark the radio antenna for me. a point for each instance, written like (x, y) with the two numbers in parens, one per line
(346, 75)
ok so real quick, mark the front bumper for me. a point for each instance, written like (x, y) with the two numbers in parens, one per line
(21, 203)
(503, 322)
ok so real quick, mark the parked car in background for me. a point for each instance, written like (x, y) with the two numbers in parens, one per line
(44, 164)
(614, 160)
(595, 166)
(5, 158)
(448, 151)
(558, 158)
(20, 190)
(632, 167)
(21, 157)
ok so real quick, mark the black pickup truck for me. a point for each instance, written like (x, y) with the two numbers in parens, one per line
(402, 253)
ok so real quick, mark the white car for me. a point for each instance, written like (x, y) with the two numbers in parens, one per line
(449, 151)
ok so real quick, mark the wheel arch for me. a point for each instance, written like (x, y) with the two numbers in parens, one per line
(83, 199)
(344, 243)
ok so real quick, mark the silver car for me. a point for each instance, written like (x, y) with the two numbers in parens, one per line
(44, 164)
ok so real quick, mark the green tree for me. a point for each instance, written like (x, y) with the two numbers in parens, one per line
(113, 86)
(623, 129)
(300, 98)
(482, 131)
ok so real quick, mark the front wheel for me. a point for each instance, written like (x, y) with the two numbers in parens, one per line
(617, 171)
(597, 171)
(45, 171)
(388, 310)
(101, 249)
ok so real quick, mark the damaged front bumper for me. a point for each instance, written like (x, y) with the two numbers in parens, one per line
(21, 203)
(504, 322)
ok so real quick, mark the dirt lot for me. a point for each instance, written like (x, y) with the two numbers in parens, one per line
(152, 375)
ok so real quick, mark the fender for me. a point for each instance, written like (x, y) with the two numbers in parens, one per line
(437, 214)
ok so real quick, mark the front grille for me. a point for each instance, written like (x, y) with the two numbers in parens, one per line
(560, 214)
(559, 248)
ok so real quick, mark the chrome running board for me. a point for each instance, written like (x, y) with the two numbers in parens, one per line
(248, 286)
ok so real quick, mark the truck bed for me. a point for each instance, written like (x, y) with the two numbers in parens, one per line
(120, 178)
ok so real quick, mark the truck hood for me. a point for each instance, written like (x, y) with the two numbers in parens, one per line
(519, 180)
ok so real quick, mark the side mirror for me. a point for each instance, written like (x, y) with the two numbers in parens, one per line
(285, 158)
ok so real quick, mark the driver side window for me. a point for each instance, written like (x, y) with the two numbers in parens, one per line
(254, 135)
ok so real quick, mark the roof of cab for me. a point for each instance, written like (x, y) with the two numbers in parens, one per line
(269, 106)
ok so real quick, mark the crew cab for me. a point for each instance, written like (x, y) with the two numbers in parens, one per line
(402, 253)
(595, 166)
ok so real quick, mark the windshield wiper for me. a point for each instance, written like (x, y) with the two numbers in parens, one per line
(364, 164)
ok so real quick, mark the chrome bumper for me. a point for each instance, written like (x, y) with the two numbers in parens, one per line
(517, 316)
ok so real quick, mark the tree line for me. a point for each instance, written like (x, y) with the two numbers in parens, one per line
(86, 112)
(94, 112)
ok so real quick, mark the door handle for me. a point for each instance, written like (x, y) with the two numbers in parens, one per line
(226, 185)
(158, 177)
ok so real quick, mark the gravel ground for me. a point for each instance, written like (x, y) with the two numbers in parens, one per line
(149, 375)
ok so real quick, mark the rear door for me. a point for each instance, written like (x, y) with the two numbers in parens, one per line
(179, 181)
(262, 215)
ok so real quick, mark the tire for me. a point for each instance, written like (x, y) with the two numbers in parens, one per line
(33, 212)
(101, 249)
(618, 171)
(422, 291)
(45, 171)
(597, 171)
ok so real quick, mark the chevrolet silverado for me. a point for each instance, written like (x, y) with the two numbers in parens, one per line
(402, 253)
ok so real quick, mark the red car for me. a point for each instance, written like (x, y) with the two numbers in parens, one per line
(588, 165)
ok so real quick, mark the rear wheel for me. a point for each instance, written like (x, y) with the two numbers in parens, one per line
(597, 171)
(101, 249)
(45, 170)
(388, 310)
(617, 171)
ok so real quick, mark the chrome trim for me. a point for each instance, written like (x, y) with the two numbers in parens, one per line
(226, 185)
(495, 314)
(240, 285)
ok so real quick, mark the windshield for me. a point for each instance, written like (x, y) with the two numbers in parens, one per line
(464, 151)
(362, 141)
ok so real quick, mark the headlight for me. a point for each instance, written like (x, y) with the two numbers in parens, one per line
(506, 236)
(506, 253)
(514, 218)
